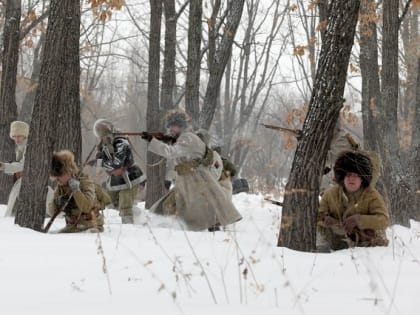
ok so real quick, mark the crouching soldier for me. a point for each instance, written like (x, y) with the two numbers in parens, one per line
(116, 157)
(352, 213)
(75, 195)
(199, 200)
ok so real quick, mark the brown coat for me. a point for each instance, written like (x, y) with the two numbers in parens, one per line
(200, 201)
(367, 202)
(82, 209)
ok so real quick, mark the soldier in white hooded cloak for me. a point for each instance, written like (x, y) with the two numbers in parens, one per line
(19, 132)
(199, 200)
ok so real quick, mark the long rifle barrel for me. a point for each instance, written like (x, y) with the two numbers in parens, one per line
(296, 132)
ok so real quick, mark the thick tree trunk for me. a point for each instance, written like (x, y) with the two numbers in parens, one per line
(219, 62)
(371, 90)
(168, 74)
(28, 102)
(298, 223)
(70, 130)
(415, 153)
(8, 108)
(192, 82)
(47, 122)
(395, 176)
(155, 163)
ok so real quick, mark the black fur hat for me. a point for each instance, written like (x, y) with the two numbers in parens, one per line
(63, 162)
(177, 117)
(353, 162)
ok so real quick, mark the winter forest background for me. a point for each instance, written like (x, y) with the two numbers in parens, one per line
(232, 65)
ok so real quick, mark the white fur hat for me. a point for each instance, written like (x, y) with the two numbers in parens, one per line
(19, 128)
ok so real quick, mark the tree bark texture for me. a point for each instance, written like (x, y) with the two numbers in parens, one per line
(156, 165)
(28, 101)
(395, 177)
(415, 152)
(8, 108)
(218, 64)
(168, 72)
(46, 120)
(371, 90)
(192, 82)
(298, 222)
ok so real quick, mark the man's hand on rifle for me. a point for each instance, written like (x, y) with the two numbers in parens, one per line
(146, 136)
(351, 222)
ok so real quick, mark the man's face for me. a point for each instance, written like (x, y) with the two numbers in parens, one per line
(19, 139)
(352, 182)
(174, 130)
(63, 179)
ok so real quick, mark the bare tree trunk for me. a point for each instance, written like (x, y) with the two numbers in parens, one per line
(155, 163)
(70, 130)
(219, 62)
(415, 153)
(394, 176)
(371, 90)
(28, 102)
(8, 108)
(47, 121)
(298, 223)
(168, 74)
(192, 82)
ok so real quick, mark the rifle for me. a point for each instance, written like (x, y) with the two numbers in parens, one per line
(274, 202)
(54, 216)
(158, 135)
(295, 132)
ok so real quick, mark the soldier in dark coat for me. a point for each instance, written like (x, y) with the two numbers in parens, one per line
(75, 195)
(116, 157)
(352, 213)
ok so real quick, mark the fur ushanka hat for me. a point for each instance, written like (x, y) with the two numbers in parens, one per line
(19, 128)
(103, 127)
(177, 117)
(63, 162)
(353, 162)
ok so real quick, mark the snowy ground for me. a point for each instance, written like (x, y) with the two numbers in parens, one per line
(154, 267)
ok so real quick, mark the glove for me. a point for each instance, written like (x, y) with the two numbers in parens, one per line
(330, 221)
(147, 136)
(327, 170)
(74, 184)
(351, 222)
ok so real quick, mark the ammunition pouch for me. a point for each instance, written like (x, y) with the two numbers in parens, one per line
(187, 168)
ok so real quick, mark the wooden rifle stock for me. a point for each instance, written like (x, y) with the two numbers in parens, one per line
(158, 135)
(295, 132)
(51, 221)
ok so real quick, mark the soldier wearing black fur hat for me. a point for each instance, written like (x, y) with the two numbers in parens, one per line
(75, 195)
(116, 157)
(352, 213)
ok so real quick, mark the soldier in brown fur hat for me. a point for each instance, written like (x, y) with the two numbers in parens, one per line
(75, 195)
(19, 132)
(352, 213)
